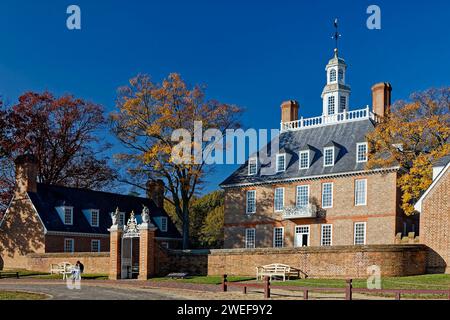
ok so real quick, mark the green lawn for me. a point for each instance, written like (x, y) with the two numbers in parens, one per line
(205, 279)
(46, 275)
(17, 295)
(430, 281)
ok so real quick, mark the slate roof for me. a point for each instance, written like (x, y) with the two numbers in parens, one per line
(344, 136)
(48, 197)
(443, 161)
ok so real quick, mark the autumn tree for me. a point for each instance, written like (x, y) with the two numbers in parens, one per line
(413, 136)
(147, 116)
(63, 135)
(206, 220)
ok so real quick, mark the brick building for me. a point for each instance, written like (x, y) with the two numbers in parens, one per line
(434, 208)
(50, 219)
(314, 189)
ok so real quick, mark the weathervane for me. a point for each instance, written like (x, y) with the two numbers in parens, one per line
(336, 36)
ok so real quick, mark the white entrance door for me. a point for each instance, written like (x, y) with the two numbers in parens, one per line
(302, 236)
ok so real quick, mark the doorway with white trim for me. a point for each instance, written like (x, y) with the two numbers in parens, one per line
(302, 236)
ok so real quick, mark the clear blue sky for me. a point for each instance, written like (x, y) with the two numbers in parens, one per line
(252, 53)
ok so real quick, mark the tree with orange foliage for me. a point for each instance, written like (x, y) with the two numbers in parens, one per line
(413, 136)
(147, 115)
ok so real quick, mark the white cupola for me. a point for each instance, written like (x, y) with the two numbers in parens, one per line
(336, 93)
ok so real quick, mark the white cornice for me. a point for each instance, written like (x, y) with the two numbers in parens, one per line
(324, 176)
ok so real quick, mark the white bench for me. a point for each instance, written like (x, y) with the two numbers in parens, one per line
(64, 268)
(276, 270)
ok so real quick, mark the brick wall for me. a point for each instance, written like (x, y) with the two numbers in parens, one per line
(193, 262)
(435, 225)
(323, 262)
(55, 243)
(381, 212)
(93, 262)
(21, 233)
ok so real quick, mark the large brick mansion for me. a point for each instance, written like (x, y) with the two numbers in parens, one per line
(316, 190)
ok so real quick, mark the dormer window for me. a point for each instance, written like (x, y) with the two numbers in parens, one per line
(304, 160)
(328, 157)
(331, 105)
(281, 162)
(332, 75)
(252, 166)
(361, 152)
(163, 224)
(95, 218)
(68, 215)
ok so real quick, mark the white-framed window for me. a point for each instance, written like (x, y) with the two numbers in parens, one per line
(301, 236)
(281, 162)
(68, 215)
(304, 160)
(250, 238)
(163, 224)
(95, 245)
(122, 218)
(326, 235)
(69, 245)
(327, 195)
(341, 75)
(302, 196)
(361, 192)
(328, 157)
(252, 166)
(278, 237)
(251, 201)
(331, 105)
(332, 75)
(360, 233)
(342, 103)
(95, 218)
(279, 199)
(361, 152)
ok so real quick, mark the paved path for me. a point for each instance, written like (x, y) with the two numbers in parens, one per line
(99, 291)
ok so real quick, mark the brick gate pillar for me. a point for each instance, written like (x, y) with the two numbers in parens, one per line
(147, 251)
(115, 252)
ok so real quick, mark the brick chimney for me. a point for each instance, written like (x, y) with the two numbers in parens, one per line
(381, 98)
(289, 111)
(26, 174)
(155, 191)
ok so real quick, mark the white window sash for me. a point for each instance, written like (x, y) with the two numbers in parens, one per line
(358, 192)
(331, 195)
(250, 233)
(322, 228)
(281, 155)
(364, 224)
(97, 242)
(275, 200)
(71, 216)
(297, 231)
(247, 210)
(252, 161)
(97, 214)
(275, 237)
(325, 151)
(297, 203)
(303, 153)
(72, 245)
(365, 144)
